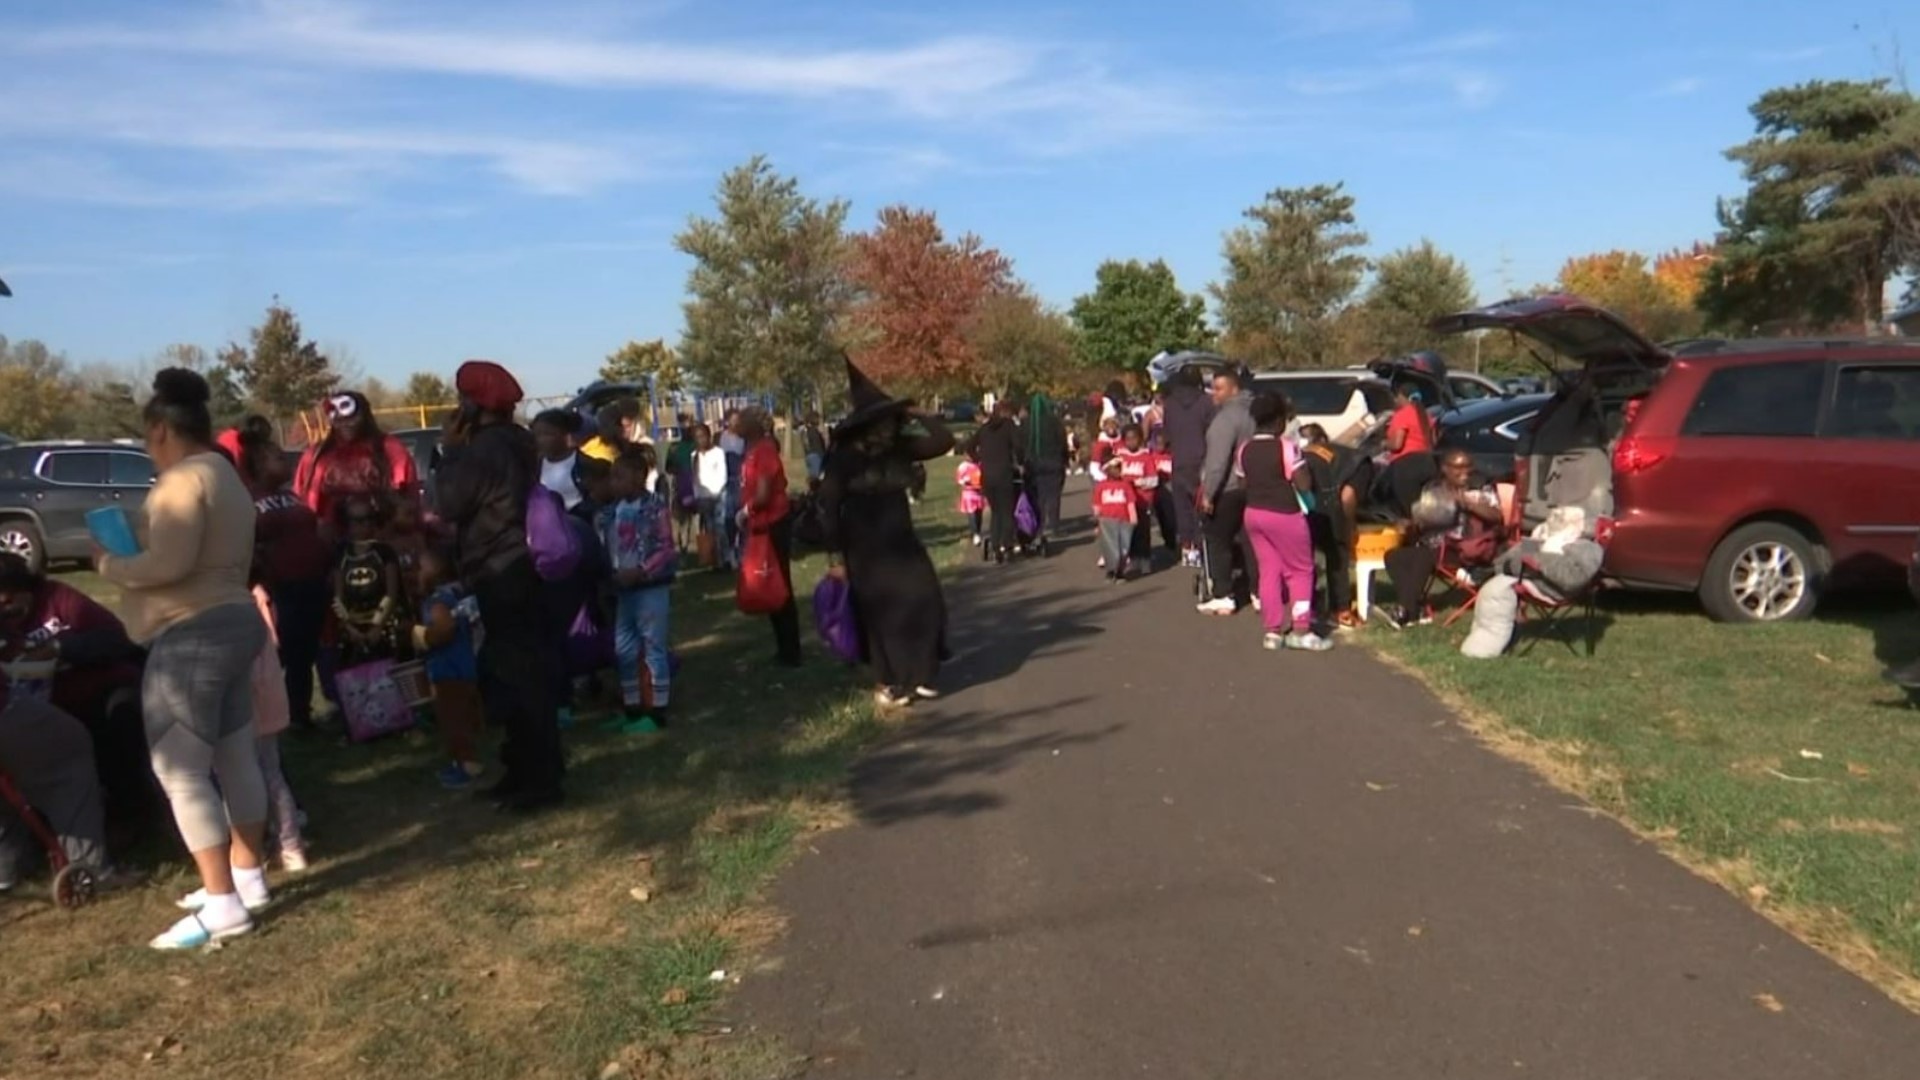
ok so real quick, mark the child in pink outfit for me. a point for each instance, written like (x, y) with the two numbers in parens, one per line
(973, 498)
(271, 717)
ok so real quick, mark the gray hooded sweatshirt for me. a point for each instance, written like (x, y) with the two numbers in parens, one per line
(1232, 425)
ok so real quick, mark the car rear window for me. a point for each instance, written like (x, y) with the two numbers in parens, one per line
(130, 470)
(77, 467)
(1319, 397)
(1759, 399)
(1877, 403)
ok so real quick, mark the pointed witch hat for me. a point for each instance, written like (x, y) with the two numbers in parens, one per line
(866, 401)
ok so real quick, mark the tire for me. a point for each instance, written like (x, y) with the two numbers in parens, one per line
(20, 536)
(1764, 572)
(73, 887)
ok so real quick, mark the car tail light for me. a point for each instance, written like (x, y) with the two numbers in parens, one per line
(1635, 454)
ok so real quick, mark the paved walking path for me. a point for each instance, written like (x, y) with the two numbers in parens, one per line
(1130, 844)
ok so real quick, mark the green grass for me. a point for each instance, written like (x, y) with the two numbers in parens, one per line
(434, 937)
(1772, 758)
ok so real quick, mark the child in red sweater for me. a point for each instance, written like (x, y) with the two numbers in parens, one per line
(1117, 509)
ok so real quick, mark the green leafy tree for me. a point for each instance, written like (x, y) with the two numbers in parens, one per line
(1023, 345)
(1291, 272)
(1135, 311)
(426, 388)
(767, 290)
(1411, 287)
(1833, 187)
(638, 361)
(279, 368)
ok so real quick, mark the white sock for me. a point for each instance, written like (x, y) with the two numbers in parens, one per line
(251, 884)
(223, 911)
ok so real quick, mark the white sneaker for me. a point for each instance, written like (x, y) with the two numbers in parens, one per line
(1308, 642)
(1272, 642)
(190, 933)
(197, 899)
(1256, 604)
(1222, 606)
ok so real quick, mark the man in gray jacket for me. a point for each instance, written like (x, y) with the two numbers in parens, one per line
(1223, 497)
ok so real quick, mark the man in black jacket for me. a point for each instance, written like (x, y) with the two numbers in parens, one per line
(997, 448)
(1188, 411)
(488, 470)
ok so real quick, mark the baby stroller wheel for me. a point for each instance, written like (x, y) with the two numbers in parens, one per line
(73, 887)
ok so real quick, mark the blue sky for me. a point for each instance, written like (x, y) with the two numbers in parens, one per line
(430, 180)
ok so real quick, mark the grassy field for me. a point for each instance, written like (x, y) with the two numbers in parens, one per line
(1772, 759)
(434, 937)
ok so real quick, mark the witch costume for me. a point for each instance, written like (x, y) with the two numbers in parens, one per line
(867, 526)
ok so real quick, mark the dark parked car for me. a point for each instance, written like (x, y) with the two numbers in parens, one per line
(1491, 429)
(1758, 473)
(46, 490)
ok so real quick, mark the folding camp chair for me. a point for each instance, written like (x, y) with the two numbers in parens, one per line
(1546, 610)
(1456, 579)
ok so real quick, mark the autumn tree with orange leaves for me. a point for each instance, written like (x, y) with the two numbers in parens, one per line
(919, 294)
(1654, 296)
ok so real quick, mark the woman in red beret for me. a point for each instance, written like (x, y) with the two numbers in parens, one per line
(488, 468)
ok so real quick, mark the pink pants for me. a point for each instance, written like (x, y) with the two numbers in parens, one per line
(1283, 550)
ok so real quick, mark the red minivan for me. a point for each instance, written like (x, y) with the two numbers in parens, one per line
(1759, 474)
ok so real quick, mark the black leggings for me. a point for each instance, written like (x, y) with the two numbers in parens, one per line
(299, 612)
(1044, 483)
(786, 621)
(1338, 552)
(1411, 567)
(1000, 502)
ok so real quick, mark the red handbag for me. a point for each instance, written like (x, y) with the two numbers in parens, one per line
(762, 588)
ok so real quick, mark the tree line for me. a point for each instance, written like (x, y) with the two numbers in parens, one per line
(780, 288)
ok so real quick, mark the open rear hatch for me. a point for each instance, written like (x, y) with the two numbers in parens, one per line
(1566, 459)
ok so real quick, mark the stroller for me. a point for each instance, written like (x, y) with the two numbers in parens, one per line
(73, 885)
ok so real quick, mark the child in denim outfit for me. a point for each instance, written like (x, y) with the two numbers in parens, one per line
(638, 534)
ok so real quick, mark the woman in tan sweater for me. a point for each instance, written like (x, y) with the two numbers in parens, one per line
(187, 599)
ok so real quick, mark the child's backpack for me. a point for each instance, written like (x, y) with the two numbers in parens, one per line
(550, 539)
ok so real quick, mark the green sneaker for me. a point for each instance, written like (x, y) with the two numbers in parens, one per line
(641, 726)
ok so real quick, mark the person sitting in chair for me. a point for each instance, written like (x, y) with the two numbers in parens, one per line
(1455, 524)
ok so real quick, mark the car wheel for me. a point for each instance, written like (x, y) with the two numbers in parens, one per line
(18, 536)
(1763, 573)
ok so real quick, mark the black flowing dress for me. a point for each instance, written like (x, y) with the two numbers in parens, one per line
(868, 523)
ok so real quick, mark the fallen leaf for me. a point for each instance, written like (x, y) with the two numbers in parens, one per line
(1823, 658)
(717, 975)
(1769, 1003)
(1813, 755)
(640, 893)
(1415, 931)
(1758, 893)
(529, 864)
(675, 996)
(613, 1071)
(1854, 768)
(1371, 786)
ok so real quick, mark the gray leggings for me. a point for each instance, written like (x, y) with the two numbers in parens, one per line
(198, 702)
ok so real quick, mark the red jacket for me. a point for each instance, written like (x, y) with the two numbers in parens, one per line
(329, 474)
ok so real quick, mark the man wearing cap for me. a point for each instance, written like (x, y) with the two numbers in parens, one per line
(488, 469)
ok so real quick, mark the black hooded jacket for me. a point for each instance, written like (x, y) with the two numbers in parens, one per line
(482, 491)
(1188, 411)
(998, 445)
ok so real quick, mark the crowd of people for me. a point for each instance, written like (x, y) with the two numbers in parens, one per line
(533, 560)
(1265, 509)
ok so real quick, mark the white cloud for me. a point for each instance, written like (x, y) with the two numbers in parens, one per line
(1471, 41)
(1681, 87)
(288, 90)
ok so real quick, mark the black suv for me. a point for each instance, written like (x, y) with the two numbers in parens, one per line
(46, 490)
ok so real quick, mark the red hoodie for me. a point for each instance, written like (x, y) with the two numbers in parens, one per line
(329, 475)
